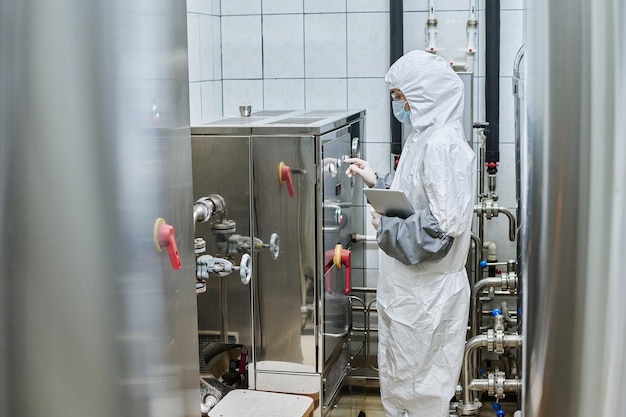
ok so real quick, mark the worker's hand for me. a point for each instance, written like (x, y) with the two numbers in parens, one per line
(361, 168)
(375, 218)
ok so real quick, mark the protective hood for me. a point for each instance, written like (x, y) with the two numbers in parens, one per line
(434, 91)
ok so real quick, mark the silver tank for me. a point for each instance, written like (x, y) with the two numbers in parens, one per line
(94, 148)
(575, 230)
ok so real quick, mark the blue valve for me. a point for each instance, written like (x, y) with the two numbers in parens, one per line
(496, 312)
(500, 413)
(483, 264)
(496, 406)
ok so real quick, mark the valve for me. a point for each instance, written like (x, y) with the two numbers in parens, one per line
(284, 175)
(274, 246)
(207, 265)
(245, 269)
(205, 207)
(164, 236)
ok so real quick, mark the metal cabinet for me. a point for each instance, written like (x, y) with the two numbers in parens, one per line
(282, 178)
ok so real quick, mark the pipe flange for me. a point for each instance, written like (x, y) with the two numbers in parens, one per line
(499, 384)
(512, 282)
(491, 384)
(471, 409)
(224, 227)
(199, 245)
(490, 340)
(499, 341)
(218, 203)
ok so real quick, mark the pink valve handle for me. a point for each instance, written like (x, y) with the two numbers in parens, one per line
(284, 175)
(166, 239)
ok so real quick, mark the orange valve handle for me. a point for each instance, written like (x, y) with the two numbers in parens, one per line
(284, 175)
(166, 238)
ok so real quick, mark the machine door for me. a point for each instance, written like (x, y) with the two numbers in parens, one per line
(284, 203)
(336, 188)
(221, 165)
(337, 216)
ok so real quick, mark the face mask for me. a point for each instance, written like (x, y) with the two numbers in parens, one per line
(403, 116)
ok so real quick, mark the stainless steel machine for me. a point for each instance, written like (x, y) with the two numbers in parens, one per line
(287, 205)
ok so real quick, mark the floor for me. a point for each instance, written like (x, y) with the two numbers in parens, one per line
(368, 402)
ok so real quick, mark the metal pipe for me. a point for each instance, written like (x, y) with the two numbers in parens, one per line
(360, 238)
(474, 343)
(206, 207)
(364, 289)
(431, 28)
(509, 385)
(512, 226)
(472, 35)
(478, 246)
(369, 329)
(475, 306)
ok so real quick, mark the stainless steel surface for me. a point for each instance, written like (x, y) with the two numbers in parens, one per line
(222, 166)
(279, 122)
(575, 234)
(300, 314)
(284, 332)
(94, 147)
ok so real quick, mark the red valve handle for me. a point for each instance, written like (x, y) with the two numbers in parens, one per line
(343, 257)
(165, 238)
(284, 175)
(338, 257)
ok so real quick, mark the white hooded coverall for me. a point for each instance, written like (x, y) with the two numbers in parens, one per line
(423, 290)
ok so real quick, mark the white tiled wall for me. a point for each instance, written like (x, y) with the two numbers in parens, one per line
(333, 54)
(205, 60)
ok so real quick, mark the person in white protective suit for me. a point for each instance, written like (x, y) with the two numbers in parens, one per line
(423, 291)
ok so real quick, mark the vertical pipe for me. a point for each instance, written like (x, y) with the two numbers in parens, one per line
(492, 79)
(431, 28)
(396, 50)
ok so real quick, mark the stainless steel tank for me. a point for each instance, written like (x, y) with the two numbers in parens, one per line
(94, 150)
(282, 173)
(574, 239)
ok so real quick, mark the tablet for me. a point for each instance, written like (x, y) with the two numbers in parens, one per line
(392, 203)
